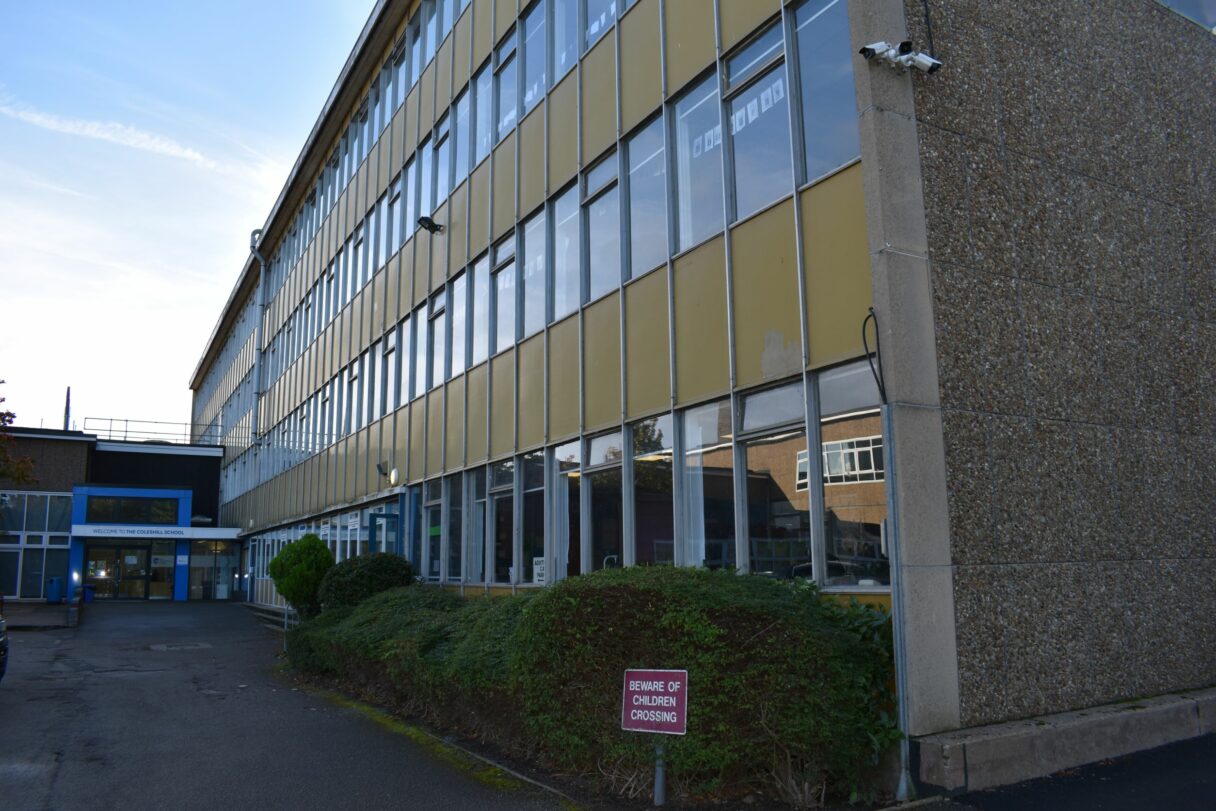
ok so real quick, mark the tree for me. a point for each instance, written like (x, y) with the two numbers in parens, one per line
(298, 570)
(17, 469)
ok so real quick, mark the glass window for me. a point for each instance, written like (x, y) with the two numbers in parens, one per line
(708, 486)
(565, 36)
(479, 314)
(60, 516)
(647, 199)
(447, 17)
(483, 116)
(604, 243)
(771, 407)
(502, 506)
(607, 516)
(778, 512)
(535, 570)
(505, 89)
(459, 324)
(433, 527)
(438, 338)
(475, 571)
(698, 165)
(407, 336)
(460, 138)
(600, 16)
(420, 351)
(392, 229)
(568, 507)
(375, 385)
(504, 306)
(431, 32)
(455, 503)
(35, 513)
(759, 126)
(566, 255)
(654, 524)
(410, 218)
(533, 274)
(416, 48)
(534, 56)
(825, 77)
(426, 181)
(12, 512)
(443, 161)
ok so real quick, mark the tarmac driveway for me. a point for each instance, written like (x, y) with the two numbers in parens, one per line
(179, 705)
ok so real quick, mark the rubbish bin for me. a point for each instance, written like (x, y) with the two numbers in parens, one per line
(54, 590)
(89, 588)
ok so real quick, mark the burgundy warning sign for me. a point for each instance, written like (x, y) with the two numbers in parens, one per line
(655, 701)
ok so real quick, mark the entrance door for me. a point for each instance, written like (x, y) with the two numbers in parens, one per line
(117, 572)
(133, 574)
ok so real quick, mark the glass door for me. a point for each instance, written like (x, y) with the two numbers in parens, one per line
(101, 571)
(133, 574)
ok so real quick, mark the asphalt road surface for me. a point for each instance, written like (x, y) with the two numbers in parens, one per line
(179, 706)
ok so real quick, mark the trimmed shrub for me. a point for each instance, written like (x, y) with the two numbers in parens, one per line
(355, 579)
(297, 572)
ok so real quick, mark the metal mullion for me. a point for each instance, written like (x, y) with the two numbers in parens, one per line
(628, 524)
(584, 511)
(517, 523)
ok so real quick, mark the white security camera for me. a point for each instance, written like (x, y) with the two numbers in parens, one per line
(900, 57)
(921, 61)
(875, 49)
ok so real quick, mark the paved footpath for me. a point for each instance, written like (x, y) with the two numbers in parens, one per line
(179, 706)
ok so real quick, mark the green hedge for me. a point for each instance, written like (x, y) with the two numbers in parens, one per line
(355, 579)
(788, 693)
(298, 570)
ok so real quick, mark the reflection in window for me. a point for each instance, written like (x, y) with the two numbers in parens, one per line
(439, 345)
(459, 323)
(708, 486)
(760, 136)
(443, 161)
(565, 36)
(607, 517)
(502, 507)
(433, 527)
(778, 514)
(535, 570)
(603, 229)
(475, 571)
(698, 165)
(825, 74)
(647, 199)
(483, 117)
(479, 314)
(420, 353)
(533, 274)
(455, 502)
(426, 180)
(504, 312)
(505, 89)
(600, 16)
(568, 508)
(534, 56)
(566, 255)
(407, 340)
(460, 139)
(654, 527)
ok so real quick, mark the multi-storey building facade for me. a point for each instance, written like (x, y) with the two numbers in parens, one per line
(571, 284)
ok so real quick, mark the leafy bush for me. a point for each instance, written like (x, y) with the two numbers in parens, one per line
(789, 694)
(355, 579)
(297, 572)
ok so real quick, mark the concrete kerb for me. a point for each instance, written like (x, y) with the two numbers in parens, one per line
(1001, 754)
(39, 616)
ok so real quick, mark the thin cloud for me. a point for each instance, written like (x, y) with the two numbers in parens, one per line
(109, 131)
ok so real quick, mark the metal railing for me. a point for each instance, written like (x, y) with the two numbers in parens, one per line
(178, 433)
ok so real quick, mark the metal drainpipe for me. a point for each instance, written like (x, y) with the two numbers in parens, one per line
(254, 238)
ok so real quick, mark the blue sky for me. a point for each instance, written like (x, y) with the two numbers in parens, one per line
(140, 143)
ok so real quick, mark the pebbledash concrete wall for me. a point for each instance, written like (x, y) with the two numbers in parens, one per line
(1066, 160)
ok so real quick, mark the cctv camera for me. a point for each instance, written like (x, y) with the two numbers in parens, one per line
(875, 49)
(921, 61)
(905, 47)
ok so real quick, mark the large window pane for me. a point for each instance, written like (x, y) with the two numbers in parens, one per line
(507, 93)
(480, 312)
(483, 117)
(698, 165)
(654, 528)
(433, 526)
(12, 512)
(604, 243)
(568, 508)
(459, 324)
(504, 312)
(438, 337)
(566, 255)
(535, 570)
(708, 488)
(647, 199)
(443, 164)
(534, 274)
(778, 511)
(35, 513)
(420, 351)
(460, 138)
(502, 505)
(760, 133)
(606, 518)
(600, 16)
(825, 74)
(31, 572)
(565, 36)
(407, 358)
(476, 570)
(534, 56)
(60, 519)
(455, 502)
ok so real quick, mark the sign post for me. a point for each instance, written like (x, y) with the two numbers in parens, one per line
(656, 701)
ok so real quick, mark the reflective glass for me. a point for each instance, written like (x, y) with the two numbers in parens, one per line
(459, 324)
(604, 243)
(410, 220)
(483, 117)
(508, 97)
(604, 449)
(475, 570)
(847, 388)
(534, 56)
(443, 170)
(504, 307)
(407, 341)
(600, 16)
(825, 74)
(654, 524)
(565, 36)
(698, 165)
(438, 348)
(778, 510)
(708, 486)
(566, 255)
(479, 314)
(420, 351)
(535, 570)
(854, 500)
(760, 143)
(460, 138)
(773, 407)
(647, 199)
(455, 503)
(753, 57)
(607, 518)
(534, 274)
(426, 179)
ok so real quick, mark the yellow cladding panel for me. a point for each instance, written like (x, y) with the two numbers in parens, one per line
(838, 288)
(532, 392)
(563, 378)
(405, 296)
(505, 12)
(641, 92)
(426, 104)
(478, 383)
(400, 457)
(349, 455)
(768, 334)
(434, 432)
(417, 439)
(602, 363)
(563, 129)
(532, 159)
(479, 209)
(388, 163)
(461, 43)
(599, 98)
(443, 77)
(502, 409)
(439, 250)
(702, 361)
(483, 27)
(422, 264)
(690, 40)
(457, 228)
(647, 366)
(454, 458)
(411, 119)
(504, 186)
(369, 476)
(741, 19)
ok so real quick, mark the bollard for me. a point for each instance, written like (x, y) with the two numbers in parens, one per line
(660, 777)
